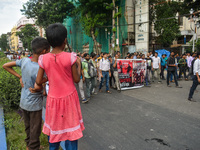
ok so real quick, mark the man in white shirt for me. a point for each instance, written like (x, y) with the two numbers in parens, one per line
(156, 67)
(151, 55)
(105, 72)
(196, 78)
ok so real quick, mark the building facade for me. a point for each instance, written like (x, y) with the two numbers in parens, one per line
(20, 24)
(142, 25)
(189, 31)
(14, 39)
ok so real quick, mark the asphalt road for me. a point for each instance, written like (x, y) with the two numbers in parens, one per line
(158, 117)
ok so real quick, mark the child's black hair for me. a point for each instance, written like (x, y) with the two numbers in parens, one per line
(85, 55)
(93, 55)
(56, 34)
(104, 53)
(130, 56)
(39, 44)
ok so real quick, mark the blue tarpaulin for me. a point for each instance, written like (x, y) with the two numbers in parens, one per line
(161, 52)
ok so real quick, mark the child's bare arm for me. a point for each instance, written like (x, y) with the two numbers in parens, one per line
(76, 70)
(40, 80)
(9, 67)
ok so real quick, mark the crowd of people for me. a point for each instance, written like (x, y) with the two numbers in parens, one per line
(54, 74)
(18, 56)
(172, 69)
(98, 68)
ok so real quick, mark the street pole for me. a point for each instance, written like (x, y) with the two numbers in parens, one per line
(193, 43)
(194, 31)
(117, 28)
(193, 37)
(109, 41)
(197, 25)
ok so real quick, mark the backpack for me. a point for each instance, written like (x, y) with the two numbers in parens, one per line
(92, 71)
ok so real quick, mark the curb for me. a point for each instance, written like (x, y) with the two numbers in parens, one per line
(3, 143)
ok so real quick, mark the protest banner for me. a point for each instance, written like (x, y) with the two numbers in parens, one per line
(131, 73)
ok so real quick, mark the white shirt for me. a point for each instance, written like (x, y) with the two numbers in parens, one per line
(47, 87)
(196, 67)
(104, 65)
(156, 62)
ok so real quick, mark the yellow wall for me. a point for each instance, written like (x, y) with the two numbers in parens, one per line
(14, 39)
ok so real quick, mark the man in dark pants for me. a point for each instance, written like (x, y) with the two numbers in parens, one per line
(182, 66)
(163, 65)
(172, 69)
(112, 71)
(196, 78)
(105, 72)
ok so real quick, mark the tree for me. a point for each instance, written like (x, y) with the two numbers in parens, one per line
(47, 12)
(27, 34)
(197, 45)
(166, 24)
(94, 14)
(4, 42)
(188, 4)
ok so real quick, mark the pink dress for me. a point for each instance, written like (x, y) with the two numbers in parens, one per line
(63, 119)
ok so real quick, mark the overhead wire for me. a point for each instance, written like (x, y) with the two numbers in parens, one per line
(160, 3)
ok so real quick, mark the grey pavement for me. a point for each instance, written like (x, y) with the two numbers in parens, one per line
(158, 117)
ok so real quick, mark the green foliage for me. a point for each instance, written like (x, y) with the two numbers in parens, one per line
(27, 34)
(188, 4)
(197, 45)
(10, 88)
(15, 131)
(114, 29)
(166, 25)
(118, 14)
(109, 6)
(4, 42)
(2, 55)
(47, 12)
(94, 14)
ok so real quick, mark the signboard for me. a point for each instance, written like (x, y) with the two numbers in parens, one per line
(131, 49)
(131, 73)
(142, 26)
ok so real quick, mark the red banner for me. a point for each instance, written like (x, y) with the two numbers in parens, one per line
(131, 73)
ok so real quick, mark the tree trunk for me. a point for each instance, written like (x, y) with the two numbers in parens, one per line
(113, 27)
(68, 47)
(95, 42)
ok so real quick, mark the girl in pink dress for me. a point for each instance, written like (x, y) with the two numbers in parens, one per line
(63, 119)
